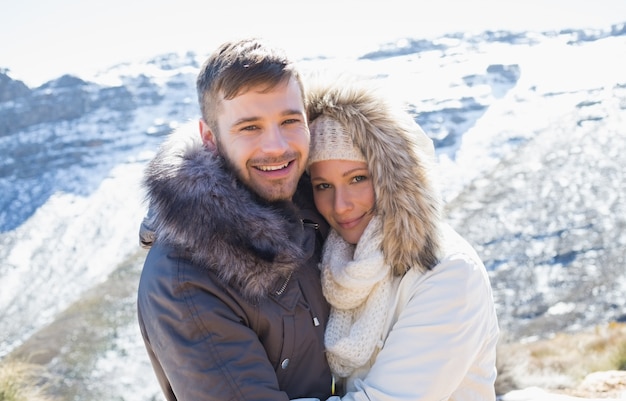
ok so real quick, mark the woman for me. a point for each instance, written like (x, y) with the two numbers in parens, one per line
(412, 313)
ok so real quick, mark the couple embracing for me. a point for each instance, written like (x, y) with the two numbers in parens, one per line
(297, 249)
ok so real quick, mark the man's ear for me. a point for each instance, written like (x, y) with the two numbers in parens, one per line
(207, 135)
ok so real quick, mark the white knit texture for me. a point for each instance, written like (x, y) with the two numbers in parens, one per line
(357, 283)
(331, 141)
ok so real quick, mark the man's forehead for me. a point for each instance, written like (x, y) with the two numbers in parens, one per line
(257, 103)
(262, 87)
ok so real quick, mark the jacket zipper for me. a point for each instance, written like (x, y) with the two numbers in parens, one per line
(284, 286)
(310, 223)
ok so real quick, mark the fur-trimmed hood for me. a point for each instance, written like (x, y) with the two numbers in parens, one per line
(197, 204)
(400, 158)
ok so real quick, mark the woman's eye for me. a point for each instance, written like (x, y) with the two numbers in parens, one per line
(321, 187)
(359, 178)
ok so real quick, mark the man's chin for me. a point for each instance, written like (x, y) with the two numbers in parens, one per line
(278, 196)
(273, 192)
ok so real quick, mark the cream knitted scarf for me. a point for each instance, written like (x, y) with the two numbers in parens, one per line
(357, 283)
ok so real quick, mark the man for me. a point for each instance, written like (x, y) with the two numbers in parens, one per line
(229, 302)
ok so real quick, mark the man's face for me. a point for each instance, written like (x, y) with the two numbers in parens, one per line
(265, 138)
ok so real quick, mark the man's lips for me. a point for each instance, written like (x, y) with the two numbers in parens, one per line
(275, 170)
(273, 167)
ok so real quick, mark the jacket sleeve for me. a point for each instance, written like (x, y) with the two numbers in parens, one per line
(444, 337)
(200, 345)
(147, 234)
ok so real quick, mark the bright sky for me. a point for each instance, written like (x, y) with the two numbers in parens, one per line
(44, 39)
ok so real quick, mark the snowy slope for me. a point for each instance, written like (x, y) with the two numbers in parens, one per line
(529, 134)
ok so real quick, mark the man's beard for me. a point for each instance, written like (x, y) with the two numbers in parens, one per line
(266, 193)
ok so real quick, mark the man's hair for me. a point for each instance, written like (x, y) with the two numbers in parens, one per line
(238, 66)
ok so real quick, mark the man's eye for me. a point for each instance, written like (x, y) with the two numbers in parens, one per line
(249, 128)
(291, 121)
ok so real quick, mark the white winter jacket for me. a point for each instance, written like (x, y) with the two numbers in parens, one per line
(440, 336)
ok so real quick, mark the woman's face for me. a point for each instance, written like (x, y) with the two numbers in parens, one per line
(344, 195)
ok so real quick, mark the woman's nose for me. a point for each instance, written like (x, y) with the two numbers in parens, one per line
(343, 202)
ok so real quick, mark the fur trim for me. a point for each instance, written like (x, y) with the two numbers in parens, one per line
(200, 206)
(400, 158)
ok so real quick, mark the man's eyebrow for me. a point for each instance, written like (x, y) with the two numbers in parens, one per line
(292, 112)
(247, 120)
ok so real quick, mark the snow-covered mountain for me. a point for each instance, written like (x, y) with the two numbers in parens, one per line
(529, 131)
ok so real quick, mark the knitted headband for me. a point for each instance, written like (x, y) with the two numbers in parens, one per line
(331, 141)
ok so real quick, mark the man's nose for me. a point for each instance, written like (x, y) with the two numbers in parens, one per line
(274, 140)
